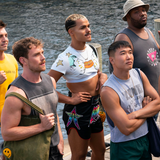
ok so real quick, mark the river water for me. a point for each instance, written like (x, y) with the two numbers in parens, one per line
(44, 19)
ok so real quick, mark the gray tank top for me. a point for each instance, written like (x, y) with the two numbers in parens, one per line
(43, 95)
(146, 55)
(127, 103)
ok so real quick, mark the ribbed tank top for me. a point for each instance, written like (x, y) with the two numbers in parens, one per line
(43, 95)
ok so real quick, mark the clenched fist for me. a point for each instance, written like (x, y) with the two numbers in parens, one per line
(3, 77)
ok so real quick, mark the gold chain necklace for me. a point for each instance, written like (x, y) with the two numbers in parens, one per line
(123, 87)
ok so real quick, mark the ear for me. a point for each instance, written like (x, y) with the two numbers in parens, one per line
(111, 59)
(70, 31)
(22, 60)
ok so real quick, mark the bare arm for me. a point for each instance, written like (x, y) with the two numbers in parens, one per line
(76, 97)
(11, 116)
(153, 107)
(155, 39)
(110, 102)
(102, 77)
(61, 142)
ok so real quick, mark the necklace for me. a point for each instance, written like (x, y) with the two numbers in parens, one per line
(124, 88)
(80, 52)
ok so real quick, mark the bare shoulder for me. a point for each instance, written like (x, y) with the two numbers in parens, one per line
(108, 94)
(13, 102)
(53, 82)
(17, 90)
(122, 37)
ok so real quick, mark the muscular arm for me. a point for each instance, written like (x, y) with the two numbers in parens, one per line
(153, 107)
(111, 103)
(11, 116)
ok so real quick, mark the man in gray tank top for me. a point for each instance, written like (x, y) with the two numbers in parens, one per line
(145, 47)
(39, 88)
(122, 95)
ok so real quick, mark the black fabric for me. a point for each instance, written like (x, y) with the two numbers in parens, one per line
(154, 137)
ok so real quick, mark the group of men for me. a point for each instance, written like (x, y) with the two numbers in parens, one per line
(121, 94)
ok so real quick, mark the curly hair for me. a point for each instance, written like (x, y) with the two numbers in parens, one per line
(21, 48)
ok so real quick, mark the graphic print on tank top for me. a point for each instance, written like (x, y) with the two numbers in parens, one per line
(152, 57)
(133, 102)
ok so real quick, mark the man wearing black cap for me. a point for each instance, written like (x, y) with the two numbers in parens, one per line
(145, 47)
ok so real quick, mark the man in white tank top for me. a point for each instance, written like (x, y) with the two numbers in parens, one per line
(78, 64)
(122, 95)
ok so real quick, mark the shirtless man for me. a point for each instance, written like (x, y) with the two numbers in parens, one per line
(79, 65)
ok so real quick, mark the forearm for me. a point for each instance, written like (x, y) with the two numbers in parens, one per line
(64, 99)
(21, 132)
(131, 126)
(59, 129)
(149, 110)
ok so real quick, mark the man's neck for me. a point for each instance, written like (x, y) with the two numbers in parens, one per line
(2, 56)
(31, 77)
(78, 46)
(124, 75)
(136, 30)
(139, 32)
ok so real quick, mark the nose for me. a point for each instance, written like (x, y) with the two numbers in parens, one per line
(88, 29)
(5, 38)
(42, 56)
(129, 56)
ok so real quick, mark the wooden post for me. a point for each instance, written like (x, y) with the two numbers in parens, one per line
(157, 28)
(98, 47)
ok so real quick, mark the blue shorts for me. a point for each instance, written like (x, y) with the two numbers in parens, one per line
(84, 118)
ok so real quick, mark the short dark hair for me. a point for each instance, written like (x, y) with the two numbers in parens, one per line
(21, 48)
(115, 45)
(2, 24)
(71, 20)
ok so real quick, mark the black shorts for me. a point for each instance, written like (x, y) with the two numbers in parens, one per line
(84, 118)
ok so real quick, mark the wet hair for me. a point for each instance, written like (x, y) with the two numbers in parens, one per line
(2, 24)
(21, 48)
(115, 45)
(71, 20)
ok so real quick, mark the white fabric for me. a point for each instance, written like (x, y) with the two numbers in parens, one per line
(77, 66)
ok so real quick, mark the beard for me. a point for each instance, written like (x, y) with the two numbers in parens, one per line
(138, 24)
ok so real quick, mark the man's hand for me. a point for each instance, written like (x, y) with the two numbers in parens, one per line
(61, 147)
(2, 77)
(80, 97)
(47, 121)
(102, 77)
(146, 100)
